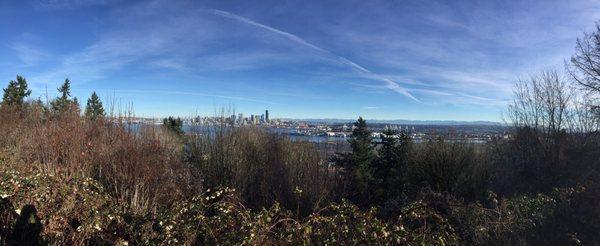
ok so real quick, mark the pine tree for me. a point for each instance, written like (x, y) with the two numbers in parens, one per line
(173, 124)
(394, 148)
(16, 92)
(391, 163)
(361, 143)
(363, 155)
(94, 109)
(358, 165)
(64, 102)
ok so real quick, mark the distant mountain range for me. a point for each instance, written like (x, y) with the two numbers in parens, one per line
(404, 122)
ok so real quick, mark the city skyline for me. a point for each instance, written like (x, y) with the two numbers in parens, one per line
(385, 60)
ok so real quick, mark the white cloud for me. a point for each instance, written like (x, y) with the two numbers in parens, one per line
(28, 54)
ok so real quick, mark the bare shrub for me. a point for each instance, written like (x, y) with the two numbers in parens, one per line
(263, 167)
(142, 168)
(447, 167)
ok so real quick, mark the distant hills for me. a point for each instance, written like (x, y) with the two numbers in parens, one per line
(405, 122)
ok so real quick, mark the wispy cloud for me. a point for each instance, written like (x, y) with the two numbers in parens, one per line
(196, 94)
(130, 43)
(28, 54)
(432, 92)
(388, 82)
(168, 64)
(247, 60)
(181, 42)
(462, 47)
(67, 4)
(370, 107)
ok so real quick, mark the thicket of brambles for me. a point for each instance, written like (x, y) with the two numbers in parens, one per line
(68, 177)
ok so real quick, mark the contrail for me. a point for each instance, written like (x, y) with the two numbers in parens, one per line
(268, 28)
(390, 84)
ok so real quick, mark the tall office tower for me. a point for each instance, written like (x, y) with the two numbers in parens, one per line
(240, 119)
(252, 118)
(267, 116)
(262, 118)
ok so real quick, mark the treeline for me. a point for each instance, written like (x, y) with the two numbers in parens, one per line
(17, 91)
(88, 178)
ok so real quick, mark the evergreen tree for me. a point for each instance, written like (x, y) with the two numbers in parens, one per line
(358, 164)
(388, 146)
(94, 109)
(393, 157)
(16, 92)
(64, 102)
(173, 124)
(362, 148)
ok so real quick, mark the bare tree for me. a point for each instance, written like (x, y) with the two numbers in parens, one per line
(585, 115)
(542, 103)
(585, 64)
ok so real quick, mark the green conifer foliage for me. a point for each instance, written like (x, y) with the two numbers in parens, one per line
(173, 124)
(16, 92)
(94, 108)
(64, 102)
(359, 163)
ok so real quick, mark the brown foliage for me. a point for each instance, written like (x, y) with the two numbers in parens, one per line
(142, 168)
(265, 168)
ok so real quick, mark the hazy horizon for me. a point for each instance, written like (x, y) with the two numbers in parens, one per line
(385, 60)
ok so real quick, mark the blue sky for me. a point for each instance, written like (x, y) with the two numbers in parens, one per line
(422, 60)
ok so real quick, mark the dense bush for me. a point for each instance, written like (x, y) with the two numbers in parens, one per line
(265, 168)
(452, 168)
(80, 211)
(142, 168)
